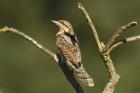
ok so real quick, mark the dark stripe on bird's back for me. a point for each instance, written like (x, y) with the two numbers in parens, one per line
(72, 37)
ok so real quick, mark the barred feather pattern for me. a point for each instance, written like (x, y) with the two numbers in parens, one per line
(72, 54)
(83, 76)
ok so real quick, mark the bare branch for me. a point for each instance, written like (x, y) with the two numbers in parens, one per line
(95, 34)
(113, 76)
(118, 33)
(34, 42)
(123, 41)
(66, 70)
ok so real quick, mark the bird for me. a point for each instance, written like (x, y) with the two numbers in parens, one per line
(68, 46)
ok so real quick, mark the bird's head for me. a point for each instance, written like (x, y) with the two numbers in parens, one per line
(65, 27)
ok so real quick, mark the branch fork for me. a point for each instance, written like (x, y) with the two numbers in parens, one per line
(105, 50)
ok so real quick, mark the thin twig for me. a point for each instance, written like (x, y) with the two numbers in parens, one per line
(113, 76)
(66, 70)
(118, 33)
(34, 42)
(123, 41)
(83, 10)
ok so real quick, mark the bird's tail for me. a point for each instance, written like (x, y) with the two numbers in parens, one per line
(83, 76)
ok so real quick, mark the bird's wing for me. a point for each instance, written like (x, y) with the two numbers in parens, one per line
(71, 52)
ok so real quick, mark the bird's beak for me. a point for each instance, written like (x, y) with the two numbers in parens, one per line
(60, 25)
(56, 22)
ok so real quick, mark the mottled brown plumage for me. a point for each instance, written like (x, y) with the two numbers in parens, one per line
(67, 44)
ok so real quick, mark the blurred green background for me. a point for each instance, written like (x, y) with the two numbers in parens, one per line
(25, 69)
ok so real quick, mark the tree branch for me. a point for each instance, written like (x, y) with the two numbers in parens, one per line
(34, 42)
(83, 10)
(123, 41)
(62, 63)
(118, 33)
(113, 76)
